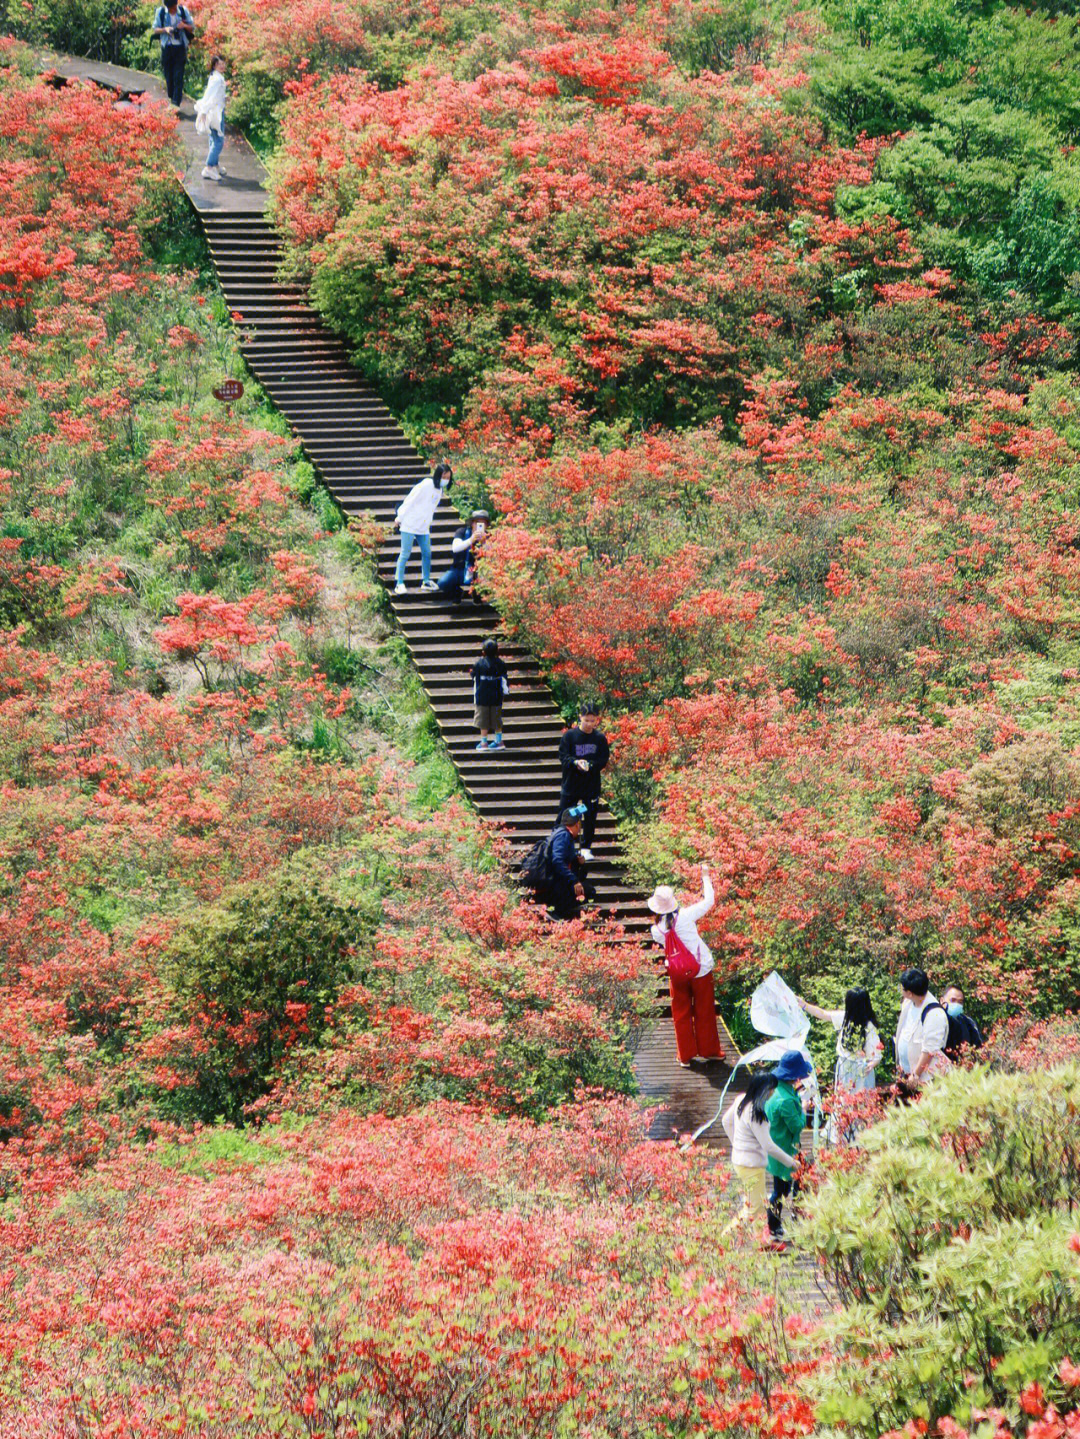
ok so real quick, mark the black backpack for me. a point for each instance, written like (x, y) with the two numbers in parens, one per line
(962, 1031)
(537, 870)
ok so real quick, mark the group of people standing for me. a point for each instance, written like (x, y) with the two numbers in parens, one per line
(764, 1125)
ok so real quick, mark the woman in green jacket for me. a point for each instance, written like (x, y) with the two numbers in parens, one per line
(787, 1119)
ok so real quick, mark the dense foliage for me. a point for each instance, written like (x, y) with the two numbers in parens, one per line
(756, 327)
(951, 1239)
(215, 877)
(785, 462)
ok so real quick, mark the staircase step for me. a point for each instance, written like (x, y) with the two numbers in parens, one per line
(368, 464)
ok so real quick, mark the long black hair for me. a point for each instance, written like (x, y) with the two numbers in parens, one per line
(757, 1092)
(858, 1013)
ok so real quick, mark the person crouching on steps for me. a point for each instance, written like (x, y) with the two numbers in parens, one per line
(490, 684)
(464, 558)
(210, 118)
(689, 965)
(569, 887)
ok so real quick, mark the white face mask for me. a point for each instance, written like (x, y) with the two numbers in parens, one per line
(444, 483)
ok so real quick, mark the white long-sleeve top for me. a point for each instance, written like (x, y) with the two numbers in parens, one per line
(417, 509)
(752, 1146)
(686, 928)
(210, 107)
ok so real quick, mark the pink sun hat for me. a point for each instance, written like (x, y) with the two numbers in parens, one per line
(662, 900)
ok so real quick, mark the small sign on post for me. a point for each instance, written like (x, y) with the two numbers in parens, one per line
(228, 391)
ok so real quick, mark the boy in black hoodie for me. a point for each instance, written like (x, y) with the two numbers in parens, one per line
(583, 753)
(490, 685)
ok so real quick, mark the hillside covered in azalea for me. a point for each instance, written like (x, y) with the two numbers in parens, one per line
(784, 452)
(756, 329)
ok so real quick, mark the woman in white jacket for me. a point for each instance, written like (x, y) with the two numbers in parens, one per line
(210, 117)
(747, 1128)
(689, 964)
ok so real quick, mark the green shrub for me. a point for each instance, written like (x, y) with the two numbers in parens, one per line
(948, 1243)
(255, 973)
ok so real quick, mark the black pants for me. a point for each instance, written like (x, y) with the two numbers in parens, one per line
(565, 903)
(781, 1188)
(567, 800)
(173, 60)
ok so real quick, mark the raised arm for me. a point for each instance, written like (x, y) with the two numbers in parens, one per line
(816, 1012)
(695, 912)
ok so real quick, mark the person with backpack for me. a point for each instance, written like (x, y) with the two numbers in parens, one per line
(689, 965)
(413, 519)
(964, 1033)
(786, 1113)
(583, 755)
(464, 556)
(922, 1031)
(858, 1044)
(552, 869)
(490, 685)
(746, 1125)
(175, 29)
(210, 118)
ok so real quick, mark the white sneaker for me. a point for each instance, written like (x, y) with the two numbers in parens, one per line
(586, 854)
(429, 585)
(400, 590)
(209, 174)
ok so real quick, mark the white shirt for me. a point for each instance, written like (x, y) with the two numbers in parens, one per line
(210, 109)
(417, 509)
(752, 1145)
(855, 1069)
(686, 928)
(913, 1036)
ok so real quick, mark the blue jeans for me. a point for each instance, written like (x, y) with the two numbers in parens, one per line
(407, 542)
(451, 583)
(217, 139)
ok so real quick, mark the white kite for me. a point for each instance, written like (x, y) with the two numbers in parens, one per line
(774, 1010)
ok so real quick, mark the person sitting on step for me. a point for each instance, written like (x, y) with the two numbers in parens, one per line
(461, 575)
(490, 685)
(413, 519)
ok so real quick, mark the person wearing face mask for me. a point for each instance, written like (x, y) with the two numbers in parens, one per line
(964, 1033)
(413, 519)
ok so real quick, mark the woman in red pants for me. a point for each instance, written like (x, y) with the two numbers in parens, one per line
(693, 1004)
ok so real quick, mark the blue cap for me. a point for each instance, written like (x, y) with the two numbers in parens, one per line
(793, 1066)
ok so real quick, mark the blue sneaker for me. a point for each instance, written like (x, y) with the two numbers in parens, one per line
(496, 743)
